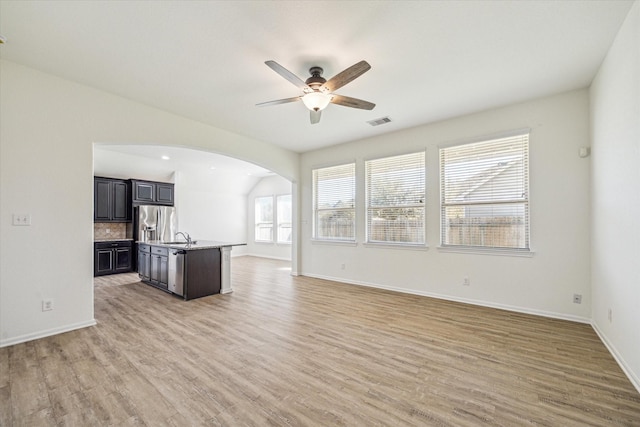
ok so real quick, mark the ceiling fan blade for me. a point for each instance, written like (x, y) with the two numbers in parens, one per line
(278, 101)
(347, 101)
(315, 116)
(344, 77)
(288, 75)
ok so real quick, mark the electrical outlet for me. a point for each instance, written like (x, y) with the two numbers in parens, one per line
(465, 281)
(21, 219)
(108, 230)
(609, 316)
(342, 266)
(47, 304)
(577, 299)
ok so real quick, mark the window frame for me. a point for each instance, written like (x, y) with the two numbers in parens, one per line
(277, 219)
(526, 249)
(256, 223)
(316, 210)
(368, 207)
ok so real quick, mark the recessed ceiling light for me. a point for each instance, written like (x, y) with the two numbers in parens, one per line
(212, 168)
(165, 157)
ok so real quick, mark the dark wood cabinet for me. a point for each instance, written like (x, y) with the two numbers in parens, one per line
(112, 200)
(121, 207)
(199, 271)
(144, 262)
(143, 192)
(153, 265)
(112, 257)
(122, 259)
(103, 262)
(202, 273)
(164, 193)
(159, 274)
(102, 199)
(152, 193)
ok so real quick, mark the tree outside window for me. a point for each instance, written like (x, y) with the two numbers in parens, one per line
(395, 199)
(334, 213)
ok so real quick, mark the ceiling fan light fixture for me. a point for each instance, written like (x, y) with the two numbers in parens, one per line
(319, 92)
(316, 101)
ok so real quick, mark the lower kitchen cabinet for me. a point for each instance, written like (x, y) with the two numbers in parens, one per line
(144, 262)
(112, 257)
(186, 272)
(153, 265)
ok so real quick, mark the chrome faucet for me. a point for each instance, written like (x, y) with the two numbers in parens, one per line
(186, 236)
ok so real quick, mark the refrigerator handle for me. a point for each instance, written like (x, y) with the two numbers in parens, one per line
(158, 223)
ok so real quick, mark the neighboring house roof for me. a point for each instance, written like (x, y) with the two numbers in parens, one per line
(482, 178)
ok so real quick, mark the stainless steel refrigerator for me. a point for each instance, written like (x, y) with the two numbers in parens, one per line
(155, 223)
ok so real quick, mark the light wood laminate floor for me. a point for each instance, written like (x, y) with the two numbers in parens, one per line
(296, 351)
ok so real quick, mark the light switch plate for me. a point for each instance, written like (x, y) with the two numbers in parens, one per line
(21, 219)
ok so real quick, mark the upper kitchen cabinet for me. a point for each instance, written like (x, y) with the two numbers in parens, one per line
(152, 193)
(164, 193)
(112, 200)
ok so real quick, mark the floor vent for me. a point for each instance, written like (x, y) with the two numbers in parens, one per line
(379, 121)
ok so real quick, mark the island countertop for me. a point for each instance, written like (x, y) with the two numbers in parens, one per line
(198, 244)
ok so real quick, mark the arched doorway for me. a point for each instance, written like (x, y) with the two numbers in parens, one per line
(215, 193)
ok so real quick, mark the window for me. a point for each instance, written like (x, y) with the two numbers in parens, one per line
(395, 199)
(334, 213)
(484, 189)
(283, 212)
(264, 219)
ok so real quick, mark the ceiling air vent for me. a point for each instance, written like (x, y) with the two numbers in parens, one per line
(379, 121)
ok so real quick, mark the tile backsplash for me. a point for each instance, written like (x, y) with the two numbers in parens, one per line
(111, 230)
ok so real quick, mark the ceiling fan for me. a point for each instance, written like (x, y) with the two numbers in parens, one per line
(318, 92)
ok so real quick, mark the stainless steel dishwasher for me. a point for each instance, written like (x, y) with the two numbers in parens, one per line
(176, 271)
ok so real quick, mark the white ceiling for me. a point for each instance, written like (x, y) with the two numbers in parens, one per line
(430, 60)
(160, 163)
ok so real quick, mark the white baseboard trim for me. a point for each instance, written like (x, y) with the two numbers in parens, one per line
(47, 333)
(618, 357)
(267, 256)
(524, 310)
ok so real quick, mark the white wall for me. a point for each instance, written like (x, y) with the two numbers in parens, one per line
(542, 284)
(47, 130)
(615, 130)
(213, 206)
(269, 186)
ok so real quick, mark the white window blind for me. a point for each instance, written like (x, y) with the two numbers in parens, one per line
(485, 193)
(334, 191)
(395, 199)
(283, 212)
(264, 219)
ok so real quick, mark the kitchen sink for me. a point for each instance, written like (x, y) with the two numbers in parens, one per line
(179, 243)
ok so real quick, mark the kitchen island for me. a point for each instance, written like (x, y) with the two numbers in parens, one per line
(189, 270)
